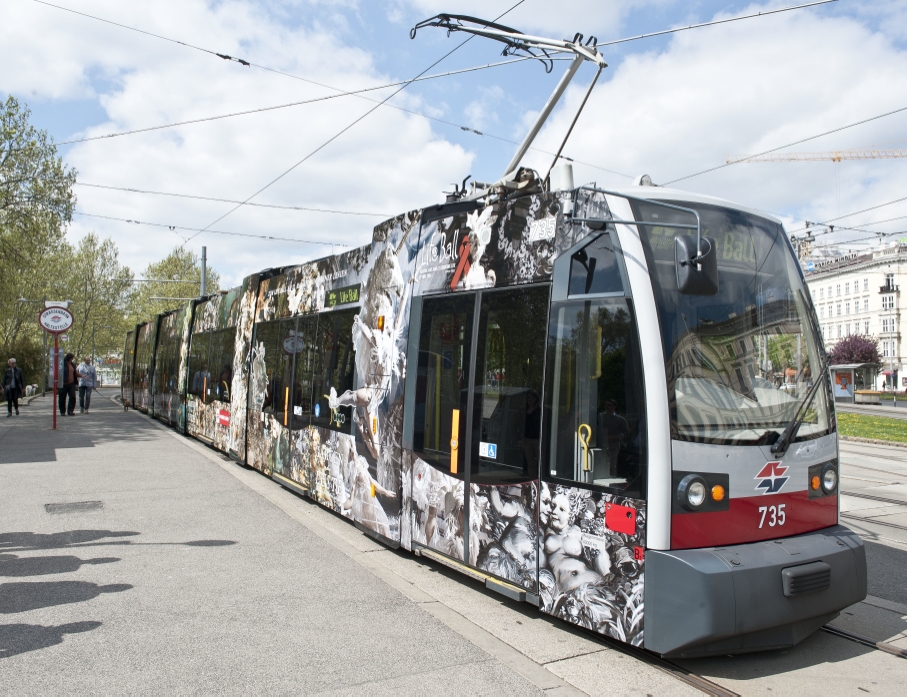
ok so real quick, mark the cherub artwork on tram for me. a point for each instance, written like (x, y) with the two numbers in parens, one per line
(590, 575)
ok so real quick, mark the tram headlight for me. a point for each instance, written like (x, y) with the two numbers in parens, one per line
(692, 492)
(829, 478)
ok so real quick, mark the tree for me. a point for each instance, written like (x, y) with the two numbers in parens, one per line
(181, 266)
(100, 288)
(36, 203)
(855, 349)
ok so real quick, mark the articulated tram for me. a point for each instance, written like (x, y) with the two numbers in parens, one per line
(613, 405)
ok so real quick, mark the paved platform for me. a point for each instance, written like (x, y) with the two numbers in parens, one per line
(135, 560)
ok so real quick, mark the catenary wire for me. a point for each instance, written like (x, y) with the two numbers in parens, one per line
(449, 123)
(717, 21)
(276, 107)
(173, 228)
(788, 145)
(227, 200)
(346, 128)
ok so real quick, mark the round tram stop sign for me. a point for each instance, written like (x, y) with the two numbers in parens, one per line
(56, 320)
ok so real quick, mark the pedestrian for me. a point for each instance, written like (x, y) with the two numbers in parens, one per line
(87, 382)
(70, 381)
(13, 387)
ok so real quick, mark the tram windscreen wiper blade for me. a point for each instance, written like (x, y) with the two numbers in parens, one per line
(780, 446)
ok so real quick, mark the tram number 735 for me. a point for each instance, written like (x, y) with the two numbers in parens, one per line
(775, 515)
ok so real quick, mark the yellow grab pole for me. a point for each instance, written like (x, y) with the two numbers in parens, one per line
(454, 439)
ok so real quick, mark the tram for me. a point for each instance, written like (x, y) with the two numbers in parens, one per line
(613, 405)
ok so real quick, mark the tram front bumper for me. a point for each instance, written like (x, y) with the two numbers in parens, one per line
(750, 597)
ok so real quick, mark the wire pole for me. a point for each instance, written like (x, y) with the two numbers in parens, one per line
(204, 272)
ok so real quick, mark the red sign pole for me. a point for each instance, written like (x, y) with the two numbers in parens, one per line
(56, 355)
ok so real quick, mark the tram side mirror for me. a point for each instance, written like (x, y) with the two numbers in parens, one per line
(697, 274)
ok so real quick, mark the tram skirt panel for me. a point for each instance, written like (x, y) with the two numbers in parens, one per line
(591, 560)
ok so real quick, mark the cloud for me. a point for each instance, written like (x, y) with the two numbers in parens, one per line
(390, 162)
(590, 17)
(743, 88)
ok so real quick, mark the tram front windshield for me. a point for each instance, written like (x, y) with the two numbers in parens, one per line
(739, 363)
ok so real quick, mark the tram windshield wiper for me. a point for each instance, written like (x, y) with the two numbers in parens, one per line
(780, 446)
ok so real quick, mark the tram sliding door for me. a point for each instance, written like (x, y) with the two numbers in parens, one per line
(592, 499)
(477, 429)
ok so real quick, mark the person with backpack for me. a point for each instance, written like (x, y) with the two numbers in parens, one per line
(87, 382)
(13, 386)
(70, 381)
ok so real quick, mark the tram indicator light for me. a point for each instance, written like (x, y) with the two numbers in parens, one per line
(718, 493)
(814, 482)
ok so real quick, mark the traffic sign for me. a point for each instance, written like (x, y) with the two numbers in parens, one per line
(810, 266)
(55, 320)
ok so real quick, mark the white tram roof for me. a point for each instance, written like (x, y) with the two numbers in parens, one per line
(664, 194)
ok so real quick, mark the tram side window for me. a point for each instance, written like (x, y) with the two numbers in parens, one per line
(199, 368)
(299, 341)
(442, 387)
(168, 360)
(220, 362)
(280, 346)
(333, 371)
(507, 410)
(594, 401)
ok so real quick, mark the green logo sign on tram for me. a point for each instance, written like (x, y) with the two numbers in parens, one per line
(342, 296)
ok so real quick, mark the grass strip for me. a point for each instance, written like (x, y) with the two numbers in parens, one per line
(875, 427)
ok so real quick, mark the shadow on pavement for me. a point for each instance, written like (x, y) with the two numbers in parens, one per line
(11, 565)
(24, 596)
(21, 638)
(12, 541)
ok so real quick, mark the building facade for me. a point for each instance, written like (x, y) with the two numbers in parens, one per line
(859, 293)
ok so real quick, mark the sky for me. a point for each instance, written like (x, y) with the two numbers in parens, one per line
(669, 106)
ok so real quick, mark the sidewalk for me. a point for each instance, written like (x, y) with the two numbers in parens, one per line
(135, 560)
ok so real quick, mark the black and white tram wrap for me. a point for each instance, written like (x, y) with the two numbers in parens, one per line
(543, 386)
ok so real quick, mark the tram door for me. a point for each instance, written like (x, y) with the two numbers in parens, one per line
(477, 428)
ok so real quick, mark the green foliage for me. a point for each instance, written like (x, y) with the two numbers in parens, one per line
(36, 203)
(38, 263)
(874, 427)
(29, 355)
(180, 265)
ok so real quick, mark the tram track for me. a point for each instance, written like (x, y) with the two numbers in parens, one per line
(666, 665)
(865, 641)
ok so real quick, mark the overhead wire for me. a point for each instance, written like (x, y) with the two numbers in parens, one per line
(227, 200)
(346, 128)
(788, 145)
(404, 84)
(173, 228)
(313, 100)
(713, 22)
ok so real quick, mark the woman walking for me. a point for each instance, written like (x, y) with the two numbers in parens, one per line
(13, 387)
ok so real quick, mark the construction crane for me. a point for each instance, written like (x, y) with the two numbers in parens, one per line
(833, 155)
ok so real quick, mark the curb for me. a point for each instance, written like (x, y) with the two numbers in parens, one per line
(855, 439)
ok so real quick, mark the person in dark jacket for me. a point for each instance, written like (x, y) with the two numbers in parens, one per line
(70, 382)
(13, 387)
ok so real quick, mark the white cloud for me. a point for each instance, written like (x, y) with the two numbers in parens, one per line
(390, 162)
(589, 17)
(740, 89)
